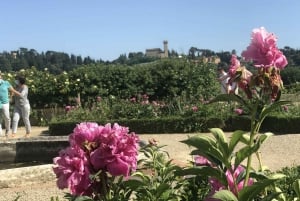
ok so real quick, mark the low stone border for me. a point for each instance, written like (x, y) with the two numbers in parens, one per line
(16, 177)
(39, 149)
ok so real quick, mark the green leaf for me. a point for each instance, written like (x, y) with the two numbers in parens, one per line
(268, 109)
(280, 196)
(258, 175)
(206, 146)
(245, 139)
(219, 135)
(248, 193)
(141, 176)
(133, 184)
(199, 141)
(244, 152)
(161, 189)
(231, 98)
(208, 156)
(235, 139)
(296, 186)
(276, 176)
(225, 195)
(271, 196)
(83, 198)
(206, 171)
(221, 141)
(264, 137)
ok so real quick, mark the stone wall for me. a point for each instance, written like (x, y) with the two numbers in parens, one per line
(40, 149)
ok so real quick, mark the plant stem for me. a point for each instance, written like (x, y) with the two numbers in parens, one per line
(259, 161)
(255, 125)
(249, 161)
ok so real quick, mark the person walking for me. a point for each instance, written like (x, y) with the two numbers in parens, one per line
(223, 79)
(21, 107)
(5, 89)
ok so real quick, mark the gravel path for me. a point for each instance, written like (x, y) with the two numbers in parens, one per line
(278, 152)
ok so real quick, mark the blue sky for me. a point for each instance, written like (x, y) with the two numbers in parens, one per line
(105, 29)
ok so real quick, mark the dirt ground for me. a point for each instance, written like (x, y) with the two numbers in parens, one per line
(277, 152)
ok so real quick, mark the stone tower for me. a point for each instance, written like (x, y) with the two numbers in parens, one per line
(166, 51)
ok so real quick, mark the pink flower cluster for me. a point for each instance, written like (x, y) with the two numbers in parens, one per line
(233, 176)
(263, 50)
(234, 65)
(95, 148)
(269, 60)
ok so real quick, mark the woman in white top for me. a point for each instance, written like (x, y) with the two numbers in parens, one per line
(223, 79)
(21, 107)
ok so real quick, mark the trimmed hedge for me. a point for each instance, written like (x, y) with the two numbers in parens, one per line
(277, 125)
(274, 124)
(148, 126)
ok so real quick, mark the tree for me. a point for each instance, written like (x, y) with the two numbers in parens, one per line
(73, 59)
(224, 56)
(5, 64)
(79, 60)
(121, 60)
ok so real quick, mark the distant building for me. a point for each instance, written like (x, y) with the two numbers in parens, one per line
(203, 59)
(14, 54)
(211, 59)
(157, 52)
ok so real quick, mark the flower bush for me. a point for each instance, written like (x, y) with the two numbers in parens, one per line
(141, 107)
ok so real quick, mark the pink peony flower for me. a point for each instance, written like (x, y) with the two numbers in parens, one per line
(68, 108)
(238, 111)
(263, 51)
(194, 108)
(234, 65)
(117, 151)
(95, 148)
(133, 100)
(71, 169)
(215, 186)
(233, 177)
(83, 133)
(201, 160)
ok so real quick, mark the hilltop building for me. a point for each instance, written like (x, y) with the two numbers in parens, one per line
(157, 52)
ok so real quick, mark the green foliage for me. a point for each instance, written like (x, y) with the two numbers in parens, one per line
(161, 80)
(157, 180)
(224, 156)
(290, 184)
(162, 183)
(290, 75)
(161, 125)
(195, 188)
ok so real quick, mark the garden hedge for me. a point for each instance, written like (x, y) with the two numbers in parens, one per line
(277, 125)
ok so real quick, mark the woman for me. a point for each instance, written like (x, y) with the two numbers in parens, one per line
(5, 89)
(21, 107)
